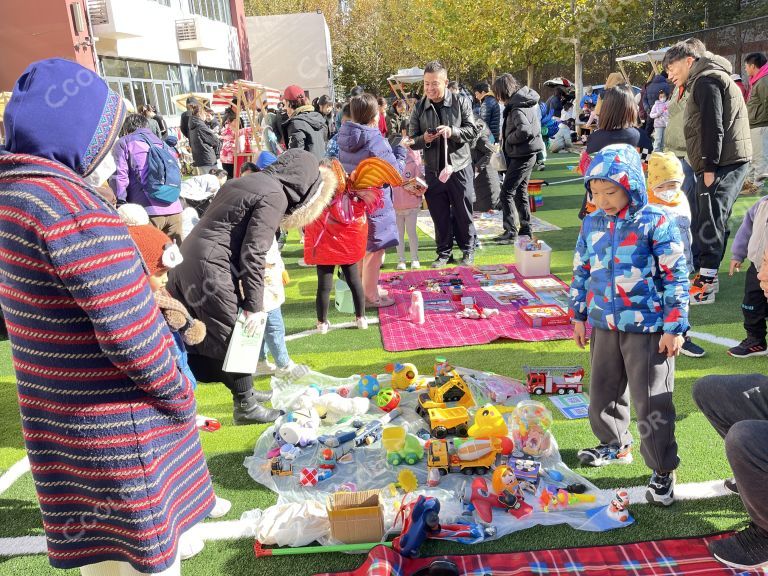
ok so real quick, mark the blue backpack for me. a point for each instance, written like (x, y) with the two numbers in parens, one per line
(163, 182)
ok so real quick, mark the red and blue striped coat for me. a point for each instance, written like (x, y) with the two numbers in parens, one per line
(107, 417)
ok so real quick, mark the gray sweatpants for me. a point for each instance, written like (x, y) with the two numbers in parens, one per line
(737, 406)
(623, 365)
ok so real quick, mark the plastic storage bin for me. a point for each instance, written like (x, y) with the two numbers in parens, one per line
(533, 263)
(344, 302)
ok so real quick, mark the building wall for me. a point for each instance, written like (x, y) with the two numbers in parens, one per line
(50, 33)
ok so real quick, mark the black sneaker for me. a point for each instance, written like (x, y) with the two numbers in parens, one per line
(692, 350)
(605, 454)
(442, 261)
(661, 489)
(506, 238)
(749, 347)
(468, 259)
(730, 485)
(745, 550)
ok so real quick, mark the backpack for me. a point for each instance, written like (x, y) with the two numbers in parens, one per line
(163, 182)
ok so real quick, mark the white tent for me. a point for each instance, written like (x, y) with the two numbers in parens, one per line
(654, 57)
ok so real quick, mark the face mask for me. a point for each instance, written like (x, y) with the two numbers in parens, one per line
(103, 171)
(669, 196)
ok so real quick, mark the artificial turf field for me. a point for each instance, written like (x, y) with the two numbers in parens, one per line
(345, 352)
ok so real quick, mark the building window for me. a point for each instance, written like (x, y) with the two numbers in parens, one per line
(213, 9)
(140, 82)
(162, 2)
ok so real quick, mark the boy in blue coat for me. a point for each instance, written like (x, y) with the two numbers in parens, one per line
(630, 281)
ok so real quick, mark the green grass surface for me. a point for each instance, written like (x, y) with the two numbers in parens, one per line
(344, 352)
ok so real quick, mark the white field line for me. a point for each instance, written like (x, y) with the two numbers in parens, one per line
(341, 326)
(727, 342)
(13, 473)
(241, 529)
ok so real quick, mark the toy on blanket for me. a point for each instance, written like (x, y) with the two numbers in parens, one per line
(478, 499)
(332, 407)
(489, 423)
(367, 387)
(531, 425)
(558, 499)
(298, 427)
(618, 509)
(416, 309)
(404, 375)
(477, 313)
(387, 399)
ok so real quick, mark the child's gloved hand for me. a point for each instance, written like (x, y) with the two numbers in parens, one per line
(670, 344)
(580, 334)
(735, 267)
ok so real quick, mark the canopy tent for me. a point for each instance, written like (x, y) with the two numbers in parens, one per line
(404, 76)
(559, 81)
(249, 98)
(181, 99)
(654, 57)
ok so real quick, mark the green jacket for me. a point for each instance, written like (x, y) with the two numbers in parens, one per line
(674, 136)
(757, 107)
(716, 123)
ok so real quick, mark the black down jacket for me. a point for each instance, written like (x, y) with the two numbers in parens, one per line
(521, 132)
(204, 143)
(223, 267)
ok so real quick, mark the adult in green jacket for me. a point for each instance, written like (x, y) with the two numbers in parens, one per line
(757, 109)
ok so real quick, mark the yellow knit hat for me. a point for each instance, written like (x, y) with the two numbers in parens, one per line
(663, 167)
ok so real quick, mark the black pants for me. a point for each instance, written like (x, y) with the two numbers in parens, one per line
(230, 169)
(714, 205)
(755, 305)
(450, 206)
(514, 195)
(737, 407)
(210, 370)
(689, 189)
(325, 283)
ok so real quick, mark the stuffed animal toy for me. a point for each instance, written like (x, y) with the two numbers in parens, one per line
(332, 407)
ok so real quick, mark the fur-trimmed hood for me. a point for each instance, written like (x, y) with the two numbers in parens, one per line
(313, 207)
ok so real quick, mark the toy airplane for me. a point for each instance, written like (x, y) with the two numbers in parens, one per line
(483, 501)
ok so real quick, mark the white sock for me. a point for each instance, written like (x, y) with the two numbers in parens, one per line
(708, 272)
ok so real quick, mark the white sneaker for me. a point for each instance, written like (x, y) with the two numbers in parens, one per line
(190, 544)
(292, 371)
(400, 265)
(265, 368)
(415, 265)
(303, 263)
(221, 508)
(362, 323)
(323, 327)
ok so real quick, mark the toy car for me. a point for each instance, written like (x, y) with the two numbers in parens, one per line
(554, 379)
(446, 389)
(401, 446)
(444, 421)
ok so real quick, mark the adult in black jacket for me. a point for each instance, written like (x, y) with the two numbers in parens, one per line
(186, 115)
(490, 111)
(202, 140)
(305, 129)
(521, 138)
(487, 185)
(442, 119)
(224, 260)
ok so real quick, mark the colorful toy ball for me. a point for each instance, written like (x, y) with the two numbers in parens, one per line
(388, 399)
(403, 375)
(368, 386)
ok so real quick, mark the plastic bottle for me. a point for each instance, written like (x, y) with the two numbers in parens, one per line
(416, 310)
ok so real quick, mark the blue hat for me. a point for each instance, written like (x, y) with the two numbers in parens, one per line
(265, 159)
(61, 111)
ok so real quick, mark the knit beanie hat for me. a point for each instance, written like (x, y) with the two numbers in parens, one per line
(61, 111)
(664, 167)
(156, 248)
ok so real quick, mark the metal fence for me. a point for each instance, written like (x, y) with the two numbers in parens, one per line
(732, 42)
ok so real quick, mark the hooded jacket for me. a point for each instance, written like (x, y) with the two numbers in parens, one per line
(716, 121)
(487, 185)
(454, 112)
(356, 143)
(522, 124)
(757, 105)
(674, 135)
(204, 143)
(490, 113)
(307, 130)
(108, 418)
(629, 271)
(225, 254)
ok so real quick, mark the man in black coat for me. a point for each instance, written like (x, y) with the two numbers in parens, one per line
(305, 129)
(184, 122)
(490, 111)
(441, 120)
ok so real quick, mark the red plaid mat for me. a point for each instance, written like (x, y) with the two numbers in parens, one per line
(658, 558)
(443, 329)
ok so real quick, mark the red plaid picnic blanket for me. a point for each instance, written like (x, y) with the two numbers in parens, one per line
(444, 329)
(656, 558)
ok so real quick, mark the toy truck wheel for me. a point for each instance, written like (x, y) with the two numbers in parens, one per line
(440, 432)
(394, 460)
(443, 472)
(480, 470)
(468, 471)
(461, 430)
(538, 391)
(411, 459)
(571, 391)
(560, 391)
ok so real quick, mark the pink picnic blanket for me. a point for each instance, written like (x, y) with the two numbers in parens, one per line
(444, 329)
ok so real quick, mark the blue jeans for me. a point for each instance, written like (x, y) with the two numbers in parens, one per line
(274, 339)
(658, 139)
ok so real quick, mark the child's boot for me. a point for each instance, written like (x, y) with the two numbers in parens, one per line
(248, 410)
(605, 454)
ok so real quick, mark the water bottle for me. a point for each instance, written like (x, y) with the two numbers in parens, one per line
(416, 311)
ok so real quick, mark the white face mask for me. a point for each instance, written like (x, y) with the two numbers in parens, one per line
(668, 195)
(103, 171)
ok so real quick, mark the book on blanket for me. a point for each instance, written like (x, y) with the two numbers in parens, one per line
(243, 351)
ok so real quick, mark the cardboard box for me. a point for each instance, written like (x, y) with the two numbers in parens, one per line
(356, 517)
(544, 315)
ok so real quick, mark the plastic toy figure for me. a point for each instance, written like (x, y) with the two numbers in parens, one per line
(421, 518)
(489, 423)
(479, 499)
(619, 506)
(403, 375)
